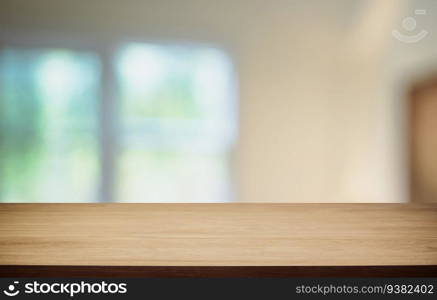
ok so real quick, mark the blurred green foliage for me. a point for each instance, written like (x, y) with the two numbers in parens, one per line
(20, 120)
(47, 112)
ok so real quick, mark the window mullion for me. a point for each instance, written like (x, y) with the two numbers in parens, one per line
(107, 128)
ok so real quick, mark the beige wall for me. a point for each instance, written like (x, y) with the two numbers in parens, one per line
(321, 120)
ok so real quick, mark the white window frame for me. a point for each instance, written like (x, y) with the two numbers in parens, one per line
(109, 101)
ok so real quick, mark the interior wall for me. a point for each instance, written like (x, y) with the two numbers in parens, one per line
(317, 122)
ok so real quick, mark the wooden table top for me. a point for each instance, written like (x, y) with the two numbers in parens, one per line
(234, 234)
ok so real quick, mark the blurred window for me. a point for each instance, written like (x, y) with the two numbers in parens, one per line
(177, 124)
(174, 129)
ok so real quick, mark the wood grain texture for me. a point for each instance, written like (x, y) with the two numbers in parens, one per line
(218, 234)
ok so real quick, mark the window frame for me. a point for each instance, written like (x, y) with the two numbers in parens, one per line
(108, 120)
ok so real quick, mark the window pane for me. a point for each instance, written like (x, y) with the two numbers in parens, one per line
(47, 125)
(178, 124)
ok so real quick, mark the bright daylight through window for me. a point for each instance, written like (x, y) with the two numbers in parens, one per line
(172, 130)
